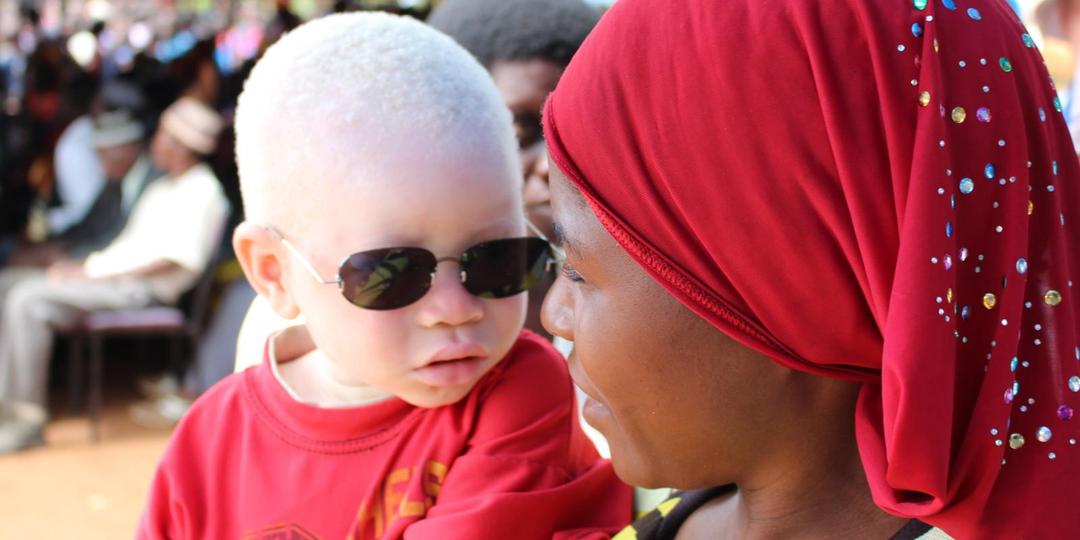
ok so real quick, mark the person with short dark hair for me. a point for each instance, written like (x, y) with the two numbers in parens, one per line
(525, 45)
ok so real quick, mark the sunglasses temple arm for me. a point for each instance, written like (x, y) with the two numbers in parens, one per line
(300, 257)
(560, 255)
(536, 230)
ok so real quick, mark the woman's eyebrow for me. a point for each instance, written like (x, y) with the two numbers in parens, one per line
(561, 240)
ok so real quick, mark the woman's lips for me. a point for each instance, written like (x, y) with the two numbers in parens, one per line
(593, 409)
(595, 413)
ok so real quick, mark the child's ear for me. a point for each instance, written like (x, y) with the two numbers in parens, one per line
(259, 254)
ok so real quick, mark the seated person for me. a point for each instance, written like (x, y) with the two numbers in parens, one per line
(121, 148)
(79, 174)
(165, 246)
(424, 409)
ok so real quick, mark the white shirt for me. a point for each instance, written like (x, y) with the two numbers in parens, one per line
(133, 182)
(79, 176)
(180, 220)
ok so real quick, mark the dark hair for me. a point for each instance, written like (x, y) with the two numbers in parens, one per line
(494, 30)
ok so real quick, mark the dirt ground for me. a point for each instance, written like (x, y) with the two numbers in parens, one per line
(74, 487)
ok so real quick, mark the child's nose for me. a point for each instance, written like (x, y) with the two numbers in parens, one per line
(448, 303)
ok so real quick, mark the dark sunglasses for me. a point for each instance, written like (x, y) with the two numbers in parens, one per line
(391, 278)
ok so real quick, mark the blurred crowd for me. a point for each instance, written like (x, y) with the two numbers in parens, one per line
(119, 187)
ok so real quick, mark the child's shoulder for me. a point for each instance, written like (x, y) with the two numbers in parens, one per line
(535, 361)
(219, 407)
(532, 376)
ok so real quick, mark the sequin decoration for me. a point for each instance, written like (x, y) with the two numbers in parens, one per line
(936, 46)
(966, 186)
(948, 229)
(1074, 383)
(920, 4)
(959, 115)
(989, 171)
(1006, 66)
(1021, 265)
(1009, 394)
(963, 257)
(1016, 440)
(947, 261)
(1013, 364)
(1031, 207)
(982, 114)
(974, 14)
(1054, 167)
(1042, 114)
(949, 4)
(1065, 412)
(948, 293)
(1052, 297)
(1028, 42)
(965, 312)
(989, 300)
(916, 30)
(1057, 104)
(924, 98)
(1043, 434)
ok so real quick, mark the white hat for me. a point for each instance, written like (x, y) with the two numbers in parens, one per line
(1047, 17)
(115, 128)
(192, 123)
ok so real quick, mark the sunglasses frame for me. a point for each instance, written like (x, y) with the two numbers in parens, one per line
(557, 261)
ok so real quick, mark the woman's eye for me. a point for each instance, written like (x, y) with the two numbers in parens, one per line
(568, 272)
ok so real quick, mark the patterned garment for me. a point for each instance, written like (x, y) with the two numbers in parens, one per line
(877, 191)
(664, 522)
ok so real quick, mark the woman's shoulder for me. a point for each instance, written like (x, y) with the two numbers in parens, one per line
(665, 521)
(668, 519)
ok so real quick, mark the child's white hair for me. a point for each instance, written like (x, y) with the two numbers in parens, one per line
(338, 92)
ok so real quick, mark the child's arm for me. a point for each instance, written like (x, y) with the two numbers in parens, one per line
(530, 471)
(163, 514)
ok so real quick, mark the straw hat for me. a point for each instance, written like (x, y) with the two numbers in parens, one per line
(192, 123)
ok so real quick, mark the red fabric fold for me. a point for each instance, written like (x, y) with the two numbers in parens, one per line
(841, 186)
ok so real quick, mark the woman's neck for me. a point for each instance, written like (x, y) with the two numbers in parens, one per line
(813, 486)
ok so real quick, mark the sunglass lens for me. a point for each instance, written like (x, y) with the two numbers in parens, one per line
(384, 279)
(505, 267)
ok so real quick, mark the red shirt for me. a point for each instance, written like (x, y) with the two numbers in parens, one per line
(507, 461)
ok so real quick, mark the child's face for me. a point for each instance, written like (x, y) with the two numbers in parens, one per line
(433, 351)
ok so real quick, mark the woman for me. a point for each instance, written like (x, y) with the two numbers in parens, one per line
(819, 264)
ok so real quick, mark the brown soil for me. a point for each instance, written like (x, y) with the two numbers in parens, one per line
(75, 488)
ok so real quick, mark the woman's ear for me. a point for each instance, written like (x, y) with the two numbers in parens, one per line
(259, 254)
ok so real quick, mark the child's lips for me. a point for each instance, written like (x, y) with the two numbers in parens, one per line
(456, 364)
(451, 372)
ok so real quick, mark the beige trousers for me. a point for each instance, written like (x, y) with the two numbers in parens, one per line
(33, 309)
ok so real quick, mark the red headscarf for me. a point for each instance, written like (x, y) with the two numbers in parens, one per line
(882, 191)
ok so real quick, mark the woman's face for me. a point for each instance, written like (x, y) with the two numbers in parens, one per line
(681, 404)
